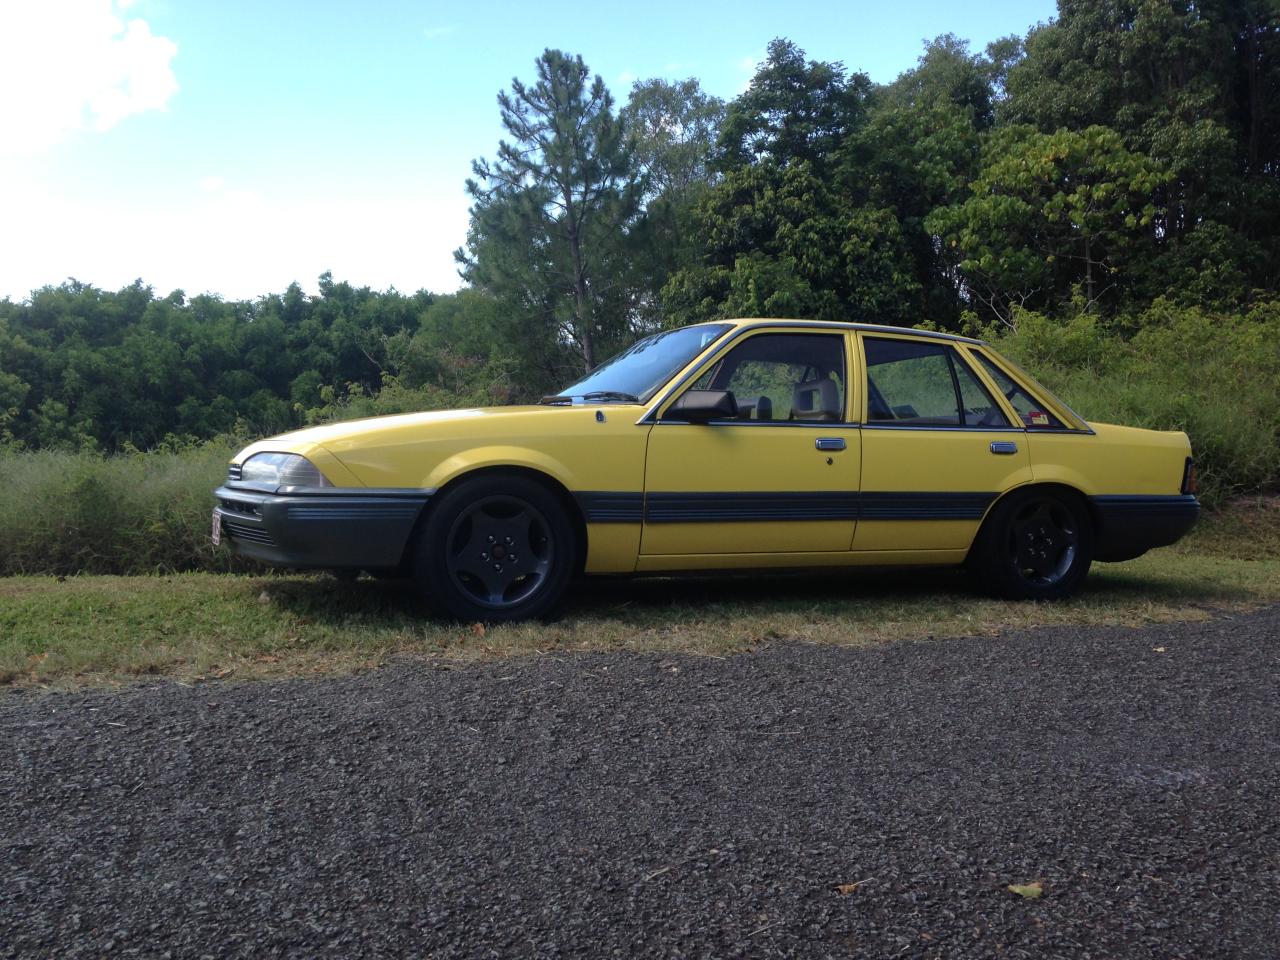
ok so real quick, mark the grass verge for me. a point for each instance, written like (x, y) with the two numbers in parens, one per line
(106, 630)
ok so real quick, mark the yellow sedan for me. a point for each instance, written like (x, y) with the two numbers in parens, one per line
(730, 445)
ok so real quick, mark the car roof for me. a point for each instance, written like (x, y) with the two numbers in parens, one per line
(745, 322)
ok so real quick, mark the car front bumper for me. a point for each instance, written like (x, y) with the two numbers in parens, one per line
(1129, 526)
(308, 527)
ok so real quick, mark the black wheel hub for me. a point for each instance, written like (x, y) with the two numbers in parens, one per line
(499, 551)
(1043, 543)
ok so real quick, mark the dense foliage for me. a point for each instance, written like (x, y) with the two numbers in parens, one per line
(66, 511)
(1105, 192)
(82, 368)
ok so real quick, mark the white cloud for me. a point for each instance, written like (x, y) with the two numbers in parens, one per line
(213, 239)
(626, 78)
(431, 33)
(71, 65)
(747, 71)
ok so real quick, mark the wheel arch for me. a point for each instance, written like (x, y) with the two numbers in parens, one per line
(1048, 486)
(572, 510)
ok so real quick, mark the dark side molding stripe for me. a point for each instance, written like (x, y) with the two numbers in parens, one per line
(711, 507)
(603, 507)
(611, 507)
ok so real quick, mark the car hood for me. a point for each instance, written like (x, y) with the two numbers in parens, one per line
(434, 420)
(329, 442)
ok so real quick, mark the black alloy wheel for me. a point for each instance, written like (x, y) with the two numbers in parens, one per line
(1042, 541)
(1035, 545)
(499, 551)
(496, 548)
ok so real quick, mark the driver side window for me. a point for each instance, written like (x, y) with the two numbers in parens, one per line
(783, 377)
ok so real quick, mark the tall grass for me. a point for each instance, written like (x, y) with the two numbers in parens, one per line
(64, 512)
(1215, 377)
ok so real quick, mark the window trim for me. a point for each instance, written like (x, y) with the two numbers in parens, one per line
(655, 414)
(996, 397)
(1064, 414)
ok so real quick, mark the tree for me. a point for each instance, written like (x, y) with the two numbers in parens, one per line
(788, 230)
(919, 150)
(794, 111)
(948, 73)
(1187, 84)
(551, 209)
(783, 243)
(675, 127)
(12, 394)
(1048, 211)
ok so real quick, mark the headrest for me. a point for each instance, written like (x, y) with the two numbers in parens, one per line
(764, 408)
(816, 400)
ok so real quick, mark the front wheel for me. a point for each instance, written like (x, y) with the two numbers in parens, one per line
(496, 549)
(1036, 545)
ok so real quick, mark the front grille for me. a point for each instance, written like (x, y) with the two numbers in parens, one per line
(233, 472)
(239, 506)
(246, 531)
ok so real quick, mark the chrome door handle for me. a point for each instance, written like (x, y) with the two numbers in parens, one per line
(829, 443)
(1003, 446)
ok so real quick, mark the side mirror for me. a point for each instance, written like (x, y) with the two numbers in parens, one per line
(703, 406)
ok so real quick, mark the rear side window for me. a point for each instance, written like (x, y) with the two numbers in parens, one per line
(1034, 415)
(915, 384)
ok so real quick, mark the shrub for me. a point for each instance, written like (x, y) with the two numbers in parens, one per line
(1216, 377)
(65, 512)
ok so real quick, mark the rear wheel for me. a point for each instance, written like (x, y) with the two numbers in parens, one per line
(495, 549)
(1036, 545)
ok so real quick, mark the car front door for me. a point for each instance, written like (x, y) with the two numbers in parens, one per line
(779, 477)
(938, 448)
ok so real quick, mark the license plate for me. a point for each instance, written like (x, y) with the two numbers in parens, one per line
(216, 535)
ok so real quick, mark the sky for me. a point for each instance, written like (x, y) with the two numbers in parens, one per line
(233, 147)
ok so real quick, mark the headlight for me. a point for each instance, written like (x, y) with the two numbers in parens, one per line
(282, 470)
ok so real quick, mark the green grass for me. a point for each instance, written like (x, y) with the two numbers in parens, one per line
(196, 626)
(135, 513)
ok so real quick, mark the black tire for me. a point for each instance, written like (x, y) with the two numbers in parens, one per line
(495, 549)
(1037, 544)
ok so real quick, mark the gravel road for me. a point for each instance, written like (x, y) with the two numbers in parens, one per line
(798, 801)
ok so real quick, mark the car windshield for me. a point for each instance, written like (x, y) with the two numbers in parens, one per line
(635, 375)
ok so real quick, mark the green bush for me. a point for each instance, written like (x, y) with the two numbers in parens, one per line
(1216, 377)
(65, 512)
(1173, 368)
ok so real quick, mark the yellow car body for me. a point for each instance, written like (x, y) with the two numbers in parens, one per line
(646, 492)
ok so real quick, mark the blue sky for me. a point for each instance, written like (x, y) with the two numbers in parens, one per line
(234, 146)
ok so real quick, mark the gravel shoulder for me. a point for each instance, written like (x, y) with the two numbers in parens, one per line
(797, 801)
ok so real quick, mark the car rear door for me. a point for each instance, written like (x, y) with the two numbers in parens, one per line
(938, 447)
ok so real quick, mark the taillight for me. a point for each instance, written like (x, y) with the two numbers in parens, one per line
(1189, 477)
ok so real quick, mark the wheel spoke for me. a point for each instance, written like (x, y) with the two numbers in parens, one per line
(494, 557)
(1044, 540)
(494, 582)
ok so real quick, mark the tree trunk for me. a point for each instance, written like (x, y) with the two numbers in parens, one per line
(1088, 272)
(582, 304)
